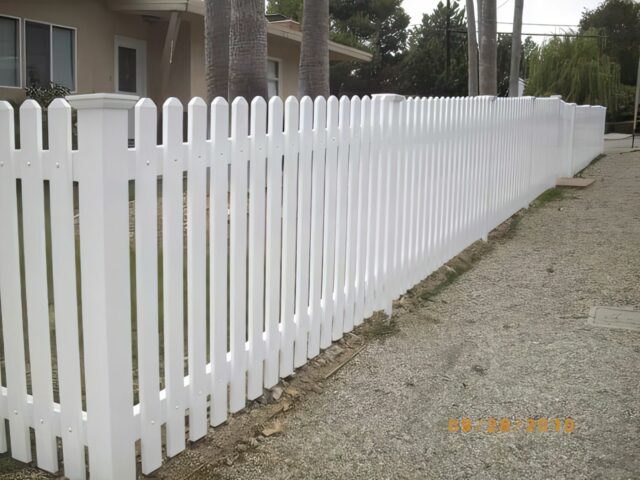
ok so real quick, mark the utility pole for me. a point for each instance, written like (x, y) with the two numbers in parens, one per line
(516, 49)
(448, 36)
(635, 108)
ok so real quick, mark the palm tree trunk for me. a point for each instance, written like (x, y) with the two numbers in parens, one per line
(472, 49)
(314, 52)
(217, 18)
(516, 49)
(248, 50)
(488, 49)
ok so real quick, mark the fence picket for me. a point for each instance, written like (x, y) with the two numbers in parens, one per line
(273, 241)
(317, 224)
(64, 289)
(35, 266)
(328, 236)
(146, 233)
(341, 219)
(197, 267)
(10, 292)
(172, 273)
(363, 211)
(218, 258)
(238, 252)
(303, 232)
(289, 214)
(257, 187)
(352, 214)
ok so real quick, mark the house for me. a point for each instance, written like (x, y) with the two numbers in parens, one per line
(152, 48)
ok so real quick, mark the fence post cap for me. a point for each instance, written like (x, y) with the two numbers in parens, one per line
(393, 97)
(114, 101)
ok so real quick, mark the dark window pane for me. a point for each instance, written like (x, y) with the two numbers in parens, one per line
(127, 81)
(63, 57)
(38, 53)
(9, 52)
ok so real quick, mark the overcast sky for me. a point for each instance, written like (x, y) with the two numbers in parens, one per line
(535, 11)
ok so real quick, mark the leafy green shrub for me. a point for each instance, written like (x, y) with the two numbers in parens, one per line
(45, 94)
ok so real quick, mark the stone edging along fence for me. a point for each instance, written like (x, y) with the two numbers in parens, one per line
(302, 219)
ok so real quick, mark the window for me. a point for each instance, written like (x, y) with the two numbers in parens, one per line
(9, 52)
(49, 55)
(127, 70)
(273, 78)
(130, 65)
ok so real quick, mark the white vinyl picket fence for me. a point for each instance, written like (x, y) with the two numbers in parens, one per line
(254, 247)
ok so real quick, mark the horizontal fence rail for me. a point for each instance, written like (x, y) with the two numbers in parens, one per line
(143, 285)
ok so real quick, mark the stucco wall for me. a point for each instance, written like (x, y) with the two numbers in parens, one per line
(288, 53)
(96, 28)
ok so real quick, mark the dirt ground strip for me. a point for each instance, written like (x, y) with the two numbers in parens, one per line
(508, 339)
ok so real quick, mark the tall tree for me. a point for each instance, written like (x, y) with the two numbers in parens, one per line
(619, 20)
(422, 70)
(379, 26)
(576, 69)
(314, 52)
(472, 49)
(248, 50)
(488, 49)
(516, 49)
(217, 17)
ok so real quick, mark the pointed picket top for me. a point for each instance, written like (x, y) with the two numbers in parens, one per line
(238, 102)
(258, 101)
(172, 103)
(276, 108)
(172, 121)
(30, 104)
(145, 103)
(7, 129)
(197, 102)
(344, 110)
(219, 101)
(290, 101)
(31, 125)
(291, 116)
(276, 100)
(59, 104)
(319, 112)
(5, 106)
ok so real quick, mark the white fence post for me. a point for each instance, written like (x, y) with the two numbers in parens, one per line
(104, 256)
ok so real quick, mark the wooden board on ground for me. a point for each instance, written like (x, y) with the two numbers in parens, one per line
(626, 318)
(574, 182)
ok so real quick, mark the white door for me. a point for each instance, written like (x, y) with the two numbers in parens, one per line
(130, 66)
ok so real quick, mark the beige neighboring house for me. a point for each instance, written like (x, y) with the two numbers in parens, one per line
(152, 48)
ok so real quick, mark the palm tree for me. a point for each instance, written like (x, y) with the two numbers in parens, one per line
(217, 18)
(488, 49)
(472, 47)
(516, 49)
(314, 52)
(248, 50)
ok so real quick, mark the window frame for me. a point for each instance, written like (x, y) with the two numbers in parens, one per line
(278, 61)
(20, 53)
(51, 26)
(139, 45)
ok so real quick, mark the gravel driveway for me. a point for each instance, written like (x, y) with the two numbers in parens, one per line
(508, 339)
